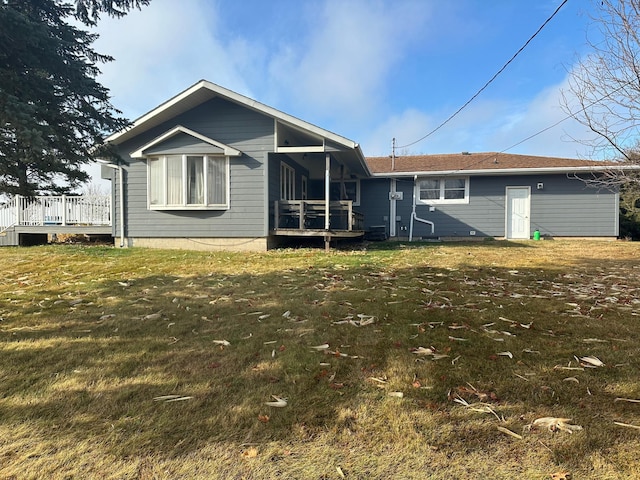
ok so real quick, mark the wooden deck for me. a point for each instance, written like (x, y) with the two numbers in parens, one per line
(307, 218)
(89, 215)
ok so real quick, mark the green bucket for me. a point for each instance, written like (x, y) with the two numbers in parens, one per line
(536, 235)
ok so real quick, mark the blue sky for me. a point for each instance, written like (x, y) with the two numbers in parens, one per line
(369, 70)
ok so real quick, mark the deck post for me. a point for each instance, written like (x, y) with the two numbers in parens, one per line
(350, 217)
(64, 210)
(302, 214)
(327, 189)
(17, 203)
(276, 214)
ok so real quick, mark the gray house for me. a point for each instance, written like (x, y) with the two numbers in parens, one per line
(212, 169)
(490, 195)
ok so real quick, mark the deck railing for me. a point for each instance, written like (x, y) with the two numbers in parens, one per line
(8, 217)
(56, 210)
(311, 214)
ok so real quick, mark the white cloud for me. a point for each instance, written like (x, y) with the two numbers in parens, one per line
(486, 125)
(542, 112)
(331, 66)
(340, 69)
(410, 124)
(161, 50)
(463, 133)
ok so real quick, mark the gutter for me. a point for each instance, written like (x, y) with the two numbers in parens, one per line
(121, 195)
(509, 171)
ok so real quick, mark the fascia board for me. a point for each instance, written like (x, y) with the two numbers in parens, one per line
(362, 159)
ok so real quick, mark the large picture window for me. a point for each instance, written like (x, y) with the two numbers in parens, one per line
(188, 182)
(443, 190)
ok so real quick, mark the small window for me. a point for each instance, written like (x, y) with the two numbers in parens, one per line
(188, 182)
(346, 190)
(429, 189)
(443, 190)
(455, 188)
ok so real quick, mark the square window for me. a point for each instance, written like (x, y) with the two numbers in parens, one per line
(454, 188)
(429, 189)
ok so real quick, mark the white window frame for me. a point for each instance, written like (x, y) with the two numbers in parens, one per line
(287, 182)
(356, 181)
(441, 200)
(184, 180)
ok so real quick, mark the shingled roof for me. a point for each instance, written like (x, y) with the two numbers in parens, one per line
(480, 163)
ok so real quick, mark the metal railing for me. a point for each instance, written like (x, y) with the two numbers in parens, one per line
(55, 210)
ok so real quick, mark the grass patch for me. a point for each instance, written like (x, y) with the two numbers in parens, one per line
(158, 364)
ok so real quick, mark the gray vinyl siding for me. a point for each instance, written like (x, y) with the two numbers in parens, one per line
(230, 124)
(564, 207)
(374, 202)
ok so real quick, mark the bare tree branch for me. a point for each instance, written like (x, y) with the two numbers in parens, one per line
(604, 87)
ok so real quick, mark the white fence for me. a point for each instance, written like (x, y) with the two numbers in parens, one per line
(61, 210)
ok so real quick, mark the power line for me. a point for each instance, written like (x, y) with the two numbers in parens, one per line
(540, 132)
(490, 81)
(571, 115)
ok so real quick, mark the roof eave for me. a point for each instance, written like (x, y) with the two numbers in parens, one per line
(507, 171)
(363, 160)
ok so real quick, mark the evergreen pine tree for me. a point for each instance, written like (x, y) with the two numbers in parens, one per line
(53, 111)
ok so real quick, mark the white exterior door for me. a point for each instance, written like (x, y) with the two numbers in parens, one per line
(518, 210)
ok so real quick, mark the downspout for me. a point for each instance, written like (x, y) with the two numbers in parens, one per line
(121, 198)
(121, 195)
(392, 209)
(413, 209)
(327, 185)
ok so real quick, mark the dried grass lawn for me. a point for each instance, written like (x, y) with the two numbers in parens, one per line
(423, 361)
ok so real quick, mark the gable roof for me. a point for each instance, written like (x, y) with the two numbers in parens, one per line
(205, 144)
(489, 163)
(199, 93)
(346, 150)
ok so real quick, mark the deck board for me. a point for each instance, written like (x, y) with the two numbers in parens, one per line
(308, 232)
